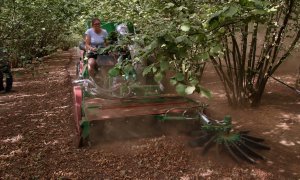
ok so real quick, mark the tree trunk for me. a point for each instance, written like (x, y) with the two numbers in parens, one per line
(256, 98)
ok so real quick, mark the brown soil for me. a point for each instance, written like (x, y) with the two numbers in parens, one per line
(38, 131)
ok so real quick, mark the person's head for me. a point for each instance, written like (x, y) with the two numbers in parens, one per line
(96, 23)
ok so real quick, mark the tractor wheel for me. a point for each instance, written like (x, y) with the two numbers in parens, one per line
(82, 142)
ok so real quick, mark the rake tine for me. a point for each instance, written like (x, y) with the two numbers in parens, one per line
(209, 144)
(196, 133)
(244, 132)
(218, 147)
(252, 151)
(253, 138)
(256, 144)
(248, 158)
(200, 141)
(231, 152)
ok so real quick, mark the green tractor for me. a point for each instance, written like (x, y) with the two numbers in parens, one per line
(120, 92)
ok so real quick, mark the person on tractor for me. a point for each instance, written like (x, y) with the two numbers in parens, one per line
(95, 38)
(5, 70)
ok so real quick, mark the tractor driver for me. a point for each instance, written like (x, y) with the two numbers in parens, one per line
(95, 38)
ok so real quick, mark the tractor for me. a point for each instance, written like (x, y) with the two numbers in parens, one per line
(110, 95)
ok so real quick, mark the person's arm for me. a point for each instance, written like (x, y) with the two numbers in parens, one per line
(88, 46)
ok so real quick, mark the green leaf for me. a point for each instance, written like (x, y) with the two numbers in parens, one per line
(179, 77)
(128, 69)
(158, 77)
(180, 39)
(194, 82)
(154, 44)
(181, 8)
(243, 2)
(205, 93)
(204, 56)
(259, 12)
(147, 70)
(231, 11)
(113, 72)
(258, 3)
(164, 65)
(273, 9)
(190, 89)
(154, 69)
(199, 38)
(173, 81)
(185, 27)
(168, 5)
(215, 49)
(180, 89)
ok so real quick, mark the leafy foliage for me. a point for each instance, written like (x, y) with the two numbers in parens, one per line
(172, 37)
(183, 36)
(35, 28)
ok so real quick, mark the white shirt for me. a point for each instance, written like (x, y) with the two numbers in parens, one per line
(97, 40)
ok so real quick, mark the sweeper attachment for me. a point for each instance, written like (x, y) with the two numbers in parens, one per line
(238, 144)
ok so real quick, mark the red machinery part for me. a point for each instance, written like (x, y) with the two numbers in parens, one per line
(77, 106)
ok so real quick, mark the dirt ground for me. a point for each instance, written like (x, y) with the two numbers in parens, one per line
(38, 133)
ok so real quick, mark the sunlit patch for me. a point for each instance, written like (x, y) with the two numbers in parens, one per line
(270, 162)
(39, 95)
(270, 132)
(51, 142)
(11, 154)
(287, 143)
(62, 107)
(41, 126)
(13, 139)
(23, 95)
(286, 115)
(62, 173)
(284, 126)
(4, 103)
(291, 117)
(185, 178)
(281, 170)
(298, 117)
(207, 173)
(42, 113)
(50, 114)
(34, 120)
(298, 142)
(140, 147)
(219, 94)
